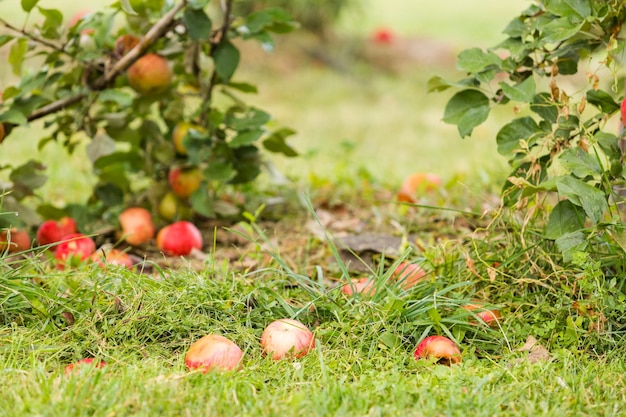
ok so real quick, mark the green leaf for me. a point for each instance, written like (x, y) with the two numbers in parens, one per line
(219, 171)
(390, 340)
(559, 30)
(246, 138)
(545, 107)
(276, 142)
(602, 100)
(28, 5)
(438, 83)
(273, 19)
(202, 202)
(16, 55)
(26, 178)
(14, 117)
(101, 145)
(197, 4)
(54, 20)
(127, 7)
(524, 91)
(570, 243)
(4, 39)
(509, 136)
(226, 59)
(590, 198)
(467, 109)
(580, 163)
(565, 218)
(122, 97)
(476, 60)
(109, 194)
(253, 119)
(198, 24)
(244, 87)
(569, 8)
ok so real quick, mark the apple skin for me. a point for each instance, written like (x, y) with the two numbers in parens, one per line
(172, 208)
(184, 182)
(179, 238)
(408, 274)
(124, 44)
(52, 231)
(113, 257)
(180, 132)
(623, 112)
(15, 240)
(416, 184)
(440, 347)
(137, 226)
(76, 366)
(74, 249)
(287, 338)
(363, 286)
(213, 352)
(383, 36)
(150, 75)
(490, 317)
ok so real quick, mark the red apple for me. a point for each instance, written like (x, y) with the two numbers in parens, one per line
(408, 274)
(490, 317)
(364, 286)
(179, 238)
(383, 35)
(213, 352)
(52, 231)
(287, 338)
(623, 111)
(137, 226)
(184, 182)
(444, 350)
(150, 75)
(417, 184)
(14, 240)
(74, 249)
(76, 366)
(112, 257)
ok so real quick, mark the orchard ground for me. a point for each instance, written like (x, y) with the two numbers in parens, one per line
(288, 261)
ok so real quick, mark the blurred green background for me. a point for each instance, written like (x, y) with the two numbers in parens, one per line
(360, 107)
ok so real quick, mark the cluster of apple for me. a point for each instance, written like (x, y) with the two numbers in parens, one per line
(71, 247)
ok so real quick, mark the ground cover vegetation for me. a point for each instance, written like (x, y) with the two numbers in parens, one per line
(183, 286)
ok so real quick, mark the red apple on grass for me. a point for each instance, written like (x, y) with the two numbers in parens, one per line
(74, 249)
(444, 350)
(179, 238)
(364, 286)
(76, 366)
(287, 338)
(137, 226)
(150, 75)
(14, 240)
(184, 182)
(408, 274)
(53, 231)
(490, 317)
(113, 257)
(213, 352)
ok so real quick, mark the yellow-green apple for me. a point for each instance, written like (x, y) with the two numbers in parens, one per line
(180, 133)
(172, 208)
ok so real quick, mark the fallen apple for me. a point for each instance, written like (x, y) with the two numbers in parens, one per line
(364, 286)
(180, 133)
(76, 366)
(407, 274)
(179, 238)
(444, 350)
(417, 184)
(112, 257)
(490, 317)
(53, 231)
(150, 75)
(74, 249)
(184, 182)
(14, 240)
(213, 352)
(287, 338)
(137, 226)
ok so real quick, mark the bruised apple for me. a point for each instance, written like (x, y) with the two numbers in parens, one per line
(137, 226)
(444, 350)
(179, 238)
(408, 274)
(287, 338)
(490, 317)
(150, 75)
(53, 231)
(180, 133)
(76, 366)
(416, 184)
(14, 240)
(124, 44)
(74, 249)
(213, 352)
(184, 181)
(364, 286)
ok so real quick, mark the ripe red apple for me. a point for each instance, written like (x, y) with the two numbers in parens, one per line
(74, 249)
(439, 347)
(364, 286)
(287, 338)
(137, 226)
(490, 317)
(14, 240)
(408, 274)
(184, 182)
(383, 35)
(76, 366)
(113, 257)
(150, 75)
(52, 231)
(213, 352)
(417, 184)
(179, 238)
(623, 111)
(180, 132)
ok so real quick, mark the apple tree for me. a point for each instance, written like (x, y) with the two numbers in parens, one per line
(152, 85)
